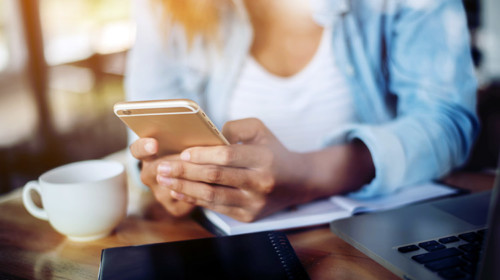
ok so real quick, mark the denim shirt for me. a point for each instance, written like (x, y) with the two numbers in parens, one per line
(408, 65)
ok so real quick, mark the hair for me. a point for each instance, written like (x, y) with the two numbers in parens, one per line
(197, 17)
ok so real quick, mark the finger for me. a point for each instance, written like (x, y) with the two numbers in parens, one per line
(235, 212)
(246, 156)
(144, 148)
(212, 174)
(149, 168)
(202, 194)
(177, 208)
(250, 130)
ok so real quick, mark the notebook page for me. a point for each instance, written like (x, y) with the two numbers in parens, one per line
(402, 197)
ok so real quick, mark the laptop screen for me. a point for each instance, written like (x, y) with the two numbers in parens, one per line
(490, 268)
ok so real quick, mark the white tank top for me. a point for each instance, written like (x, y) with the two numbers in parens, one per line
(300, 110)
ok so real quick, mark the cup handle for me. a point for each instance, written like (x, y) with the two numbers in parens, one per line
(32, 208)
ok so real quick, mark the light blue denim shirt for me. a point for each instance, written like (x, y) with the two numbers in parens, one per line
(408, 65)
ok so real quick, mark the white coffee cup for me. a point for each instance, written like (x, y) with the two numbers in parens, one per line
(84, 200)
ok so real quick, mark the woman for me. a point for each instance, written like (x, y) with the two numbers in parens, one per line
(317, 98)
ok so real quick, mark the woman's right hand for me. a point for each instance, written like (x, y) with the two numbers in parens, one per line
(145, 150)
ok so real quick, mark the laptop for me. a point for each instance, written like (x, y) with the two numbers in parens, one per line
(452, 238)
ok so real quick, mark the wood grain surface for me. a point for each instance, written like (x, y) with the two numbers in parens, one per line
(31, 249)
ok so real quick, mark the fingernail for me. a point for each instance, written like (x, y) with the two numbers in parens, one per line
(150, 148)
(185, 156)
(177, 195)
(164, 181)
(164, 168)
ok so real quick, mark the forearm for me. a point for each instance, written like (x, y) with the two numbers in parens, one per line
(336, 170)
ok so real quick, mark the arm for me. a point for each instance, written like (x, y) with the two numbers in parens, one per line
(430, 71)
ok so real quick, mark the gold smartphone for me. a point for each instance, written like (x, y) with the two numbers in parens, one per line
(177, 124)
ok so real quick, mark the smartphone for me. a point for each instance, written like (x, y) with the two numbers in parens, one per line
(177, 124)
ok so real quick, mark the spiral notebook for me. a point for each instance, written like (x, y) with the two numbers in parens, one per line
(264, 255)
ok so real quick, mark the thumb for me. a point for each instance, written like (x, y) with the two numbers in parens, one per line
(246, 131)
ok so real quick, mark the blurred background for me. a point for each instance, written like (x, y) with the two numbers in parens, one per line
(62, 67)
(61, 71)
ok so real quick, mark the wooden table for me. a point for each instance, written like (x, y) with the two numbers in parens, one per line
(31, 249)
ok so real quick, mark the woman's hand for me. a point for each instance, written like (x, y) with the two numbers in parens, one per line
(256, 175)
(145, 150)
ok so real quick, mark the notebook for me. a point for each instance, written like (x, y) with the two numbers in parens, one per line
(264, 255)
(444, 239)
(323, 211)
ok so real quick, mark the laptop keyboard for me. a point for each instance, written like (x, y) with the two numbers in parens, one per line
(451, 257)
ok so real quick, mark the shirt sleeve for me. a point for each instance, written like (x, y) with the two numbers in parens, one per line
(155, 68)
